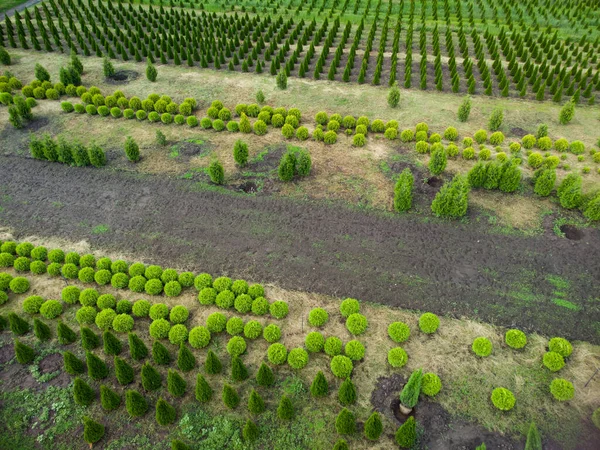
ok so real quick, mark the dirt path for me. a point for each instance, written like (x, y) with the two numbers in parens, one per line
(447, 268)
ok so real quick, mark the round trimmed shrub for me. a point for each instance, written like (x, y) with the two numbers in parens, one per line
(357, 324)
(104, 319)
(484, 154)
(192, 121)
(318, 317)
(103, 264)
(514, 147)
(277, 354)
(186, 279)
(377, 126)
(32, 304)
(86, 315)
(153, 287)
(69, 271)
(314, 342)
(359, 140)
(86, 275)
(544, 143)
(560, 346)
(207, 296)
(553, 361)
(103, 277)
(482, 347)
(341, 366)
(239, 287)
(154, 117)
(178, 334)
(106, 301)
(321, 118)
(119, 281)
(561, 145)
(503, 399)
(468, 153)
(421, 136)
(407, 135)
(141, 308)
(6, 259)
(3, 297)
(528, 141)
(297, 358)
(355, 350)
(333, 346)
(129, 113)
(330, 137)
(232, 126)
(430, 384)
(562, 390)
(259, 128)
(480, 136)
(302, 133)
(123, 323)
(497, 138)
(199, 337)
(451, 134)
(19, 285)
(216, 322)
(88, 297)
(54, 269)
(429, 323)
(158, 311)
(137, 283)
(253, 329)
(271, 333)
(225, 299)
(172, 289)
(141, 114)
(222, 284)
(24, 249)
(236, 346)
(235, 326)
(218, 124)
(435, 138)
(116, 112)
(260, 306)
(422, 147)
(243, 303)
(5, 281)
(397, 357)
(179, 314)
(124, 307)
(202, 281)
(103, 110)
(422, 126)
(39, 254)
(349, 306)
(159, 329)
(515, 339)
(287, 131)
(22, 264)
(398, 332)
(361, 129)
(452, 150)
(278, 309)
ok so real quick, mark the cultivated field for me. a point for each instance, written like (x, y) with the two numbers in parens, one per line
(299, 225)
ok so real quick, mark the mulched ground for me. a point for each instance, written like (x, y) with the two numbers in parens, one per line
(404, 261)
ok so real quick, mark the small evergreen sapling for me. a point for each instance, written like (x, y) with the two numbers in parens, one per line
(496, 119)
(534, 440)
(230, 397)
(112, 344)
(165, 413)
(394, 96)
(123, 371)
(18, 325)
(137, 348)
(410, 393)
(186, 360)
(319, 386)
(83, 394)
(160, 354)
(216, 172)
(403, 191)
(92, 431)
(341, 445)
(41, 330)
(345, 423)
(178, 445)
(438, 161)
(285, 410)
(407, 433)
(151, 379)
(256, 404)
(132, 150)
(239, 372)
(109, 399)
(203, 390)
(176, 384)
(240, 153)
(464, 110)
(97, 369)
(24, 353)
(265, 376)
(89, 339)
(373, 426)
(135, 403)
(72, 364)
(347, 393)
(250, 431)
(213, 364)
(151, 72)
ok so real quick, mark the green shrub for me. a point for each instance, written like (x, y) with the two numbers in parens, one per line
(515, 339)
(51, 309)
(468, 153)
(406, 434)
(355, 350)
(186, 361)
(451, 134)
(398, 332)
(397, 357)
(83, 394)
(514, 147)
(179, 314)
(577, 147)
(243, 303)
(544, 182)
(341, 366)
(409, 396)
(151, 378)
(253, 329)
(97, 369)
(124, 306)
(22, 264)
(357, 324)
(319, 386)
(54, 269)
(178, 334)
(141, 308)
(132, 150)
(438, 161)
(235, 326)
(123, 323)
(330, 137)
(431, 384)
(86, 315)
(199, 337)
(69, 271)
(112, 344)
(482, 347)
(106, 301)
(497, 138)
(39, 253)
(278, 309)
(20, 285)
(159, 328)
(553, 361)
(103, 111)
(32, 304)
(391, 134)
(3, 297)
(297, 358)
(484, 154)
(135, 403)
(528, 141)
(503, 399)
(207, 296)
(333, 346)
(562, 389)
(225, 299)
(230, 397)
(153, 287)
(480, 136)
(429, 323)
(103, 277)
(18, 325)
(5, 281)
(435, 138)
(216, 322)
(202, 281)
(119, 281)
(349, 306)
(104, 319)
(314, 342)
(318, 317)
(422, 147)
(377, 126)
(272, 333)
(192, 121)
(544, 143)
(137, 348)
(277, 354)
(560, 346)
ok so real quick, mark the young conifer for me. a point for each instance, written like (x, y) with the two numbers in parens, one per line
(109, 399)
(123, 371)
(72, 364)
(203, 390)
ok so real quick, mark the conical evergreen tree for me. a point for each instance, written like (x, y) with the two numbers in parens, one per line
(250, 431)
(406, 434)
(345, 423)
(89, 339)
(319, 387)
(186, 360)
(123, 371)
(97, 369)
(135, 403)
(178, 445)
(24, 353)
(3, 323)
(373, 426)
(265, 376)
(92, 431)
(411, 390)
(109, 399)
(176, 384)
(151, 379)
(213, 364)
(285, 410)
(73, 365)
(256, 404)
(160, 354)
(112, 344)
(534, 440)
(347, 393)
(65, 334)
(231, 399)
(165, 413)
(83, 393)
(137, 348)
(41, 330)
(18, 325)
(238, 369)
(341, 445)
(203, 390)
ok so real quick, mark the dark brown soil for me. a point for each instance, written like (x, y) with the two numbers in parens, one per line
(572, 232)
(445, 267)
(123, 77)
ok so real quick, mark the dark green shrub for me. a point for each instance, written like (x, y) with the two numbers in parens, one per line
(230, 397)
(18, 325)
(112, 345)
(409, 396)
(319, 386)
(203, 391)
(212, 364)
(345, 422)
(151, 378)
(256, 404)
(92, 431)
(89, 339)
(347, 393)
(406, 435)
(250, 431)
(123, 371)
(373, 426)
(186, 360)
(160, 354)
(83, 393)
(72, 364)
(65, 334)
(503, 399)
(341, 445)
(137, 348)
(165, 413)
(438, 161)
(135, 403)
(109, 399)
(534, 440)
(510, 179)
(394, 96)
(41, 330)
(176, 384)
(24, 353)
(97, 369)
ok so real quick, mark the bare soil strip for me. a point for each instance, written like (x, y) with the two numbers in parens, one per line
(542, 284)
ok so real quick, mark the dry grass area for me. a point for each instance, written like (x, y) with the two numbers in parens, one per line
(467, 380)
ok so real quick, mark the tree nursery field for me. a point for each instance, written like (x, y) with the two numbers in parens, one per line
(332, 224)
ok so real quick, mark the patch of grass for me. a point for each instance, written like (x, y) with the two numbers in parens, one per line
(259, 157)
(100, 229)
(558, 282)
(565, 304)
